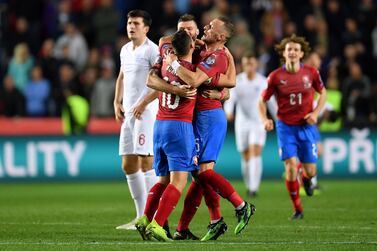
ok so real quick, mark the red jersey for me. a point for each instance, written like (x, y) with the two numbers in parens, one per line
(212, 63)
(294, 92)
(172, 107)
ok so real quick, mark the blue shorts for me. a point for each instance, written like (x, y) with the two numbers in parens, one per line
(210, 130)
(173, 147)
(297, 141)
(317, 135)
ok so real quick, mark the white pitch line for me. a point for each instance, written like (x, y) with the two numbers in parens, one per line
(192, 243)
(257, 226)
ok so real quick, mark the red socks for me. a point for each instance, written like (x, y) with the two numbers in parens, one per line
(294, 192)
(192, 202)
(212, 200)
(222, 186)
(169, 200)
(153, 199)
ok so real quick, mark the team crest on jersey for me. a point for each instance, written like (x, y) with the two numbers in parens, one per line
(209, 62)
(306, 81)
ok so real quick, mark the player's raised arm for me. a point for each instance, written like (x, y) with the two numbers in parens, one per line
(229, 79)
(118, 107)
(194, 79)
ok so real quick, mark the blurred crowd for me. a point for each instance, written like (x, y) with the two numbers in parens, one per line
(51, 50)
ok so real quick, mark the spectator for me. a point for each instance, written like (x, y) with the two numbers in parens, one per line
(242, 41)
(21, 34)
(167, 22)
(75, 113)
(77, 47)
(106, 21)
(66, 81)
(48, 62)
(356, 91)
(102, 98)
(20, 65)
(334, 97)
(272, 23)
(85, 21)
(64, 17)
(12, 101)
(87, 81)
(37, 92)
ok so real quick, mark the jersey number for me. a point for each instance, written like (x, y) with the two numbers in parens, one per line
(295, 98)
(167, 99)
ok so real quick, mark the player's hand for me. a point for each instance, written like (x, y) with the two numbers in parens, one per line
(212, 94)
(119, 112)
(199, 42)
(170, 57)
(138, 110)
(230, 117)
(186, 91)
(311, 118)
(268, 125)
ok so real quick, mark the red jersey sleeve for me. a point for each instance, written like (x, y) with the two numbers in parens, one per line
(270, 90)
(213, 64)
(163, 50)
(317, 81)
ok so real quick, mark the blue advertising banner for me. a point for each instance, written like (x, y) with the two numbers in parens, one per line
(346, 154)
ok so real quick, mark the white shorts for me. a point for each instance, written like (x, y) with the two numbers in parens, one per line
(136, 136)
(249, 134)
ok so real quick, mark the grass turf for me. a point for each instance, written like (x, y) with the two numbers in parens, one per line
(83, 216)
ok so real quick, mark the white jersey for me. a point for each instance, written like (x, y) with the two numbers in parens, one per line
(135, 66)
(246, 96)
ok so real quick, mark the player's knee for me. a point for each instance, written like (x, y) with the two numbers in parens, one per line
(129, 169)
(206, 166)
(291, 172)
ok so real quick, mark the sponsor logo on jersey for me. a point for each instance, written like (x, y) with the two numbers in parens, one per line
(283, 82)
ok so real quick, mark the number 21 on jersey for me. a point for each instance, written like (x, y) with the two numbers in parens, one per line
(295, 98)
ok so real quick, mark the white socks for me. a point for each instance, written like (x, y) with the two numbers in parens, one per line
(245, 172)
(150, 179)
(136, 184)
(255, 173)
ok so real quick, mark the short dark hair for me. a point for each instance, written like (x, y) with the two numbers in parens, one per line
(249, 54)
(181, 43)
(229, 26)
(143, 14)
(280, 47)
(186, 18)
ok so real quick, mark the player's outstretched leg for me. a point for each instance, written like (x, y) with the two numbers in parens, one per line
(191, 204)
(226, 190)
(215, 230)
(243, 217)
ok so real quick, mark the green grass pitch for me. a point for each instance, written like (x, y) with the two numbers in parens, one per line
(83, 216)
